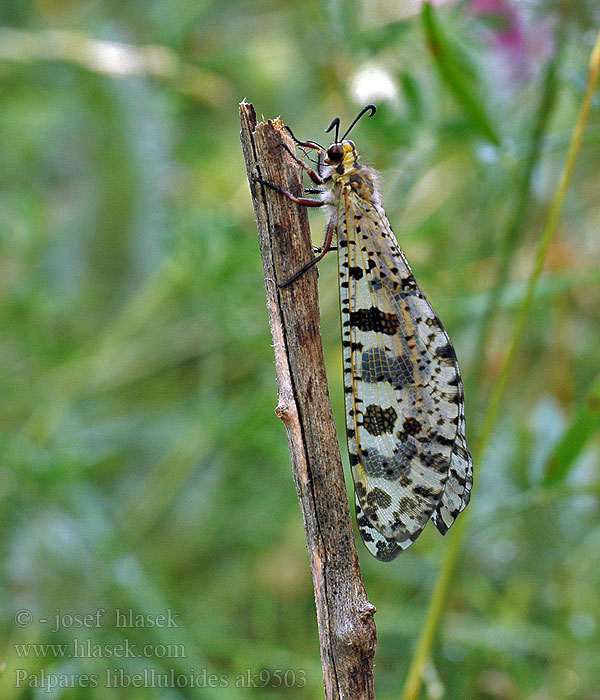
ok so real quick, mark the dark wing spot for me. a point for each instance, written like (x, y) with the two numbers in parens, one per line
(373, 319)
(378, 497)
(411, 426)
(364, 533)
(360, 490)
(421, 490)
(406, 504)
(386, 551)
(378, 420)
(377, 365)
(408, 283)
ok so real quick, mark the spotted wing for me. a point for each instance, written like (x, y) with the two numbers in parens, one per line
(457, 491)
(405, 421)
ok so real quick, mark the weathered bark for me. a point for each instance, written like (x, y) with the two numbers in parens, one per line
(344, 614)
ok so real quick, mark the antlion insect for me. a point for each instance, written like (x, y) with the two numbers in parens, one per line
(404, 398)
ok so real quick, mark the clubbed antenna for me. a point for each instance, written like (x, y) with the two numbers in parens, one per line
(364, 110)
(334, 122)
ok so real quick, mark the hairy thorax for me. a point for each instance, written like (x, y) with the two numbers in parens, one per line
(353, 178)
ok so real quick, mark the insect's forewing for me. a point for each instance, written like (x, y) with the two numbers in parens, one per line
(405, 420)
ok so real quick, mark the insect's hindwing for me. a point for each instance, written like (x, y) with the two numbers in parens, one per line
(404, 402)
(457, 492)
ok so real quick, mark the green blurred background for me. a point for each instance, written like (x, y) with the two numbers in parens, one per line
(142, 466)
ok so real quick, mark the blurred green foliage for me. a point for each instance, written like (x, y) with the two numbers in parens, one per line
(142, 464)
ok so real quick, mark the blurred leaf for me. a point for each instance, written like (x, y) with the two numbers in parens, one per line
(410, 88)
(386, 36)
(458, 73)
(582, 427)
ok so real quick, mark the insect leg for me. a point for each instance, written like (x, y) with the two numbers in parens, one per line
(314, 176)
(324, 250)
(304, 201)
(304, 144)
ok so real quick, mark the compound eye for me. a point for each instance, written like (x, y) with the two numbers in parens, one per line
(335, 153)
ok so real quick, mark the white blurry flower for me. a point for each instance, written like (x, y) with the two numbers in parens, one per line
(372, 83)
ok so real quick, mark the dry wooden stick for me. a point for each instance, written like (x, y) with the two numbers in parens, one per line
(347, 632)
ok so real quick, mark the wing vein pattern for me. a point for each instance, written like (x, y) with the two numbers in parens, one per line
(404, 398)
